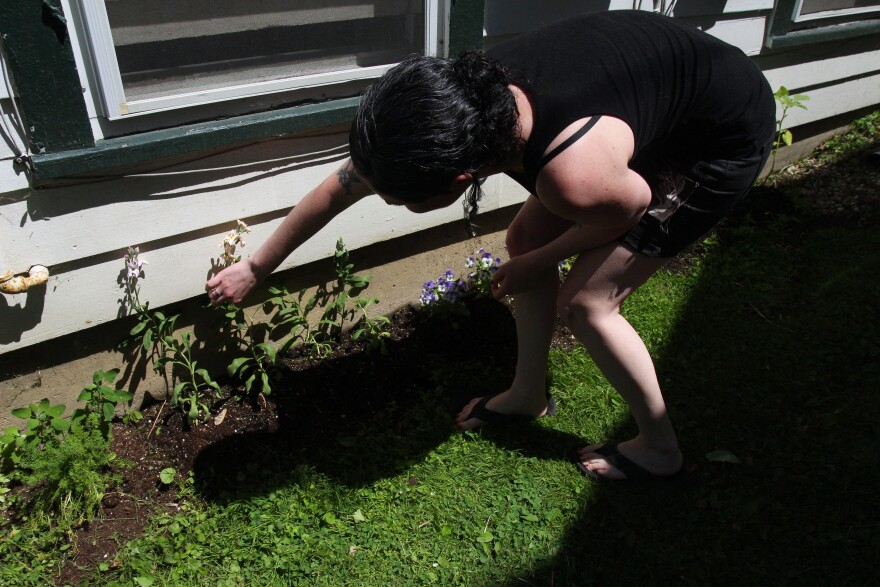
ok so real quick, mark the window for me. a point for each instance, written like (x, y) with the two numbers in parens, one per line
(166, 54)
(809, 21)
(813, 9)
(63, 139)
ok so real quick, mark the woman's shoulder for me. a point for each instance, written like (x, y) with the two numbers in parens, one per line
(591, 171)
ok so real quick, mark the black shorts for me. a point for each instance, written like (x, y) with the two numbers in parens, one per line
(685, 207)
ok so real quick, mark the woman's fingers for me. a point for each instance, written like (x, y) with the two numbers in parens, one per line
(498, 283)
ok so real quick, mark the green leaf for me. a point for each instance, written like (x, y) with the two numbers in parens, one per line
(722, 456)
(55, 411)
(144, 581)
(109, 376)
(786, 137)
(148, 340)
(137, 328)
(23, 413)
(118, 395)
(269, 350)
(109, 412)
(236, 364)
(60, 424)
(359, 516)
(167, 475)
(175, 394)
(485, 537)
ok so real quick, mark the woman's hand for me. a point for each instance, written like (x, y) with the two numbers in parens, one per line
(517, 275)
(233, 283)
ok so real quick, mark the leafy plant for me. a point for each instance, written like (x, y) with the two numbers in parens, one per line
(783, 135)
(193, 383)
(153, 328)
(102, 400)
(290, 322)
(43, 422)
(373, 330)
(336, 303)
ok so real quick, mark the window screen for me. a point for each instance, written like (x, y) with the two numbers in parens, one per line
(173, 47)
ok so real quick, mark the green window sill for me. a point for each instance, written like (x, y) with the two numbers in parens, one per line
(118, 153)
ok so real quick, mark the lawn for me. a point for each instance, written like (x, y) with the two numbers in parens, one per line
(766, 344)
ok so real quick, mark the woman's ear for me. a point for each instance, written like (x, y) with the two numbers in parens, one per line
(462, 181)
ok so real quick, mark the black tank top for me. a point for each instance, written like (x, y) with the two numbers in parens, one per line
(686, 95)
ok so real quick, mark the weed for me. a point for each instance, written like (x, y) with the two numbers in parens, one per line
(783, 135)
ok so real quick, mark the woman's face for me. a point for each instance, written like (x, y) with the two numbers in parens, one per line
(459, 185)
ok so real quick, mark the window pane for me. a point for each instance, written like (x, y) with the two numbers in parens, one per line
(814, 6)
(169, 47)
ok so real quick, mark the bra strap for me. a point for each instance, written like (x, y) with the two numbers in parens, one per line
(568, 142)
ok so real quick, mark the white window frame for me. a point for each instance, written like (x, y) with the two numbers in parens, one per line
(115, 105)
(798, 17)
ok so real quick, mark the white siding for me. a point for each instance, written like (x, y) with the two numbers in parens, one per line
(179, 218)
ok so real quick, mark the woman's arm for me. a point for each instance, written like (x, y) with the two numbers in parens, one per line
(337, 192)
(589, 183)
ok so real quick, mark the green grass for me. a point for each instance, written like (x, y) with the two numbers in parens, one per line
(766, 346)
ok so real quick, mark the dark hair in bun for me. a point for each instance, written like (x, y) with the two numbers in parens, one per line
(429, 119)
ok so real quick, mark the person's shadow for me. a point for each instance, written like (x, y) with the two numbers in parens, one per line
(361, 417)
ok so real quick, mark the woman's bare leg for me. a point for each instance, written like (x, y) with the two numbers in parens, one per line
(589, 302)
(535, 312)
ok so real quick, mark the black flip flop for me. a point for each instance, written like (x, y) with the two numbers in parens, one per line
(488, 416)
(687, 474)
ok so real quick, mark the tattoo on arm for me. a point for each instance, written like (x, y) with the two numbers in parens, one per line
(347, 178)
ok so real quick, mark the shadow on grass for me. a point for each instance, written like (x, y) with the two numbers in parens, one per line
(775, 358)
(362, 417)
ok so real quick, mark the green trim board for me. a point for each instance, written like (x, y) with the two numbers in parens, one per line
(785, 32)
(143, 147)
(42, 66)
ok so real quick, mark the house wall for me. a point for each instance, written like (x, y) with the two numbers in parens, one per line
(179, 215)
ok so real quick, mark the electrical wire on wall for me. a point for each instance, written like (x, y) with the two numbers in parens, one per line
(22, 154)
